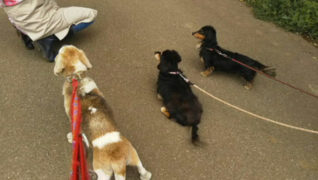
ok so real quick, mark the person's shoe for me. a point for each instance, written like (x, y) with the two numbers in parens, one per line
(27, 41)
(47, 47)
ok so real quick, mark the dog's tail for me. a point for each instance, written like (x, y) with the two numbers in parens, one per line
(265, 69)
(194, 131)
(269, 70)
(195, 136)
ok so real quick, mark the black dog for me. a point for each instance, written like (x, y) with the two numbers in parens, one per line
(179, 101)
(210, 54)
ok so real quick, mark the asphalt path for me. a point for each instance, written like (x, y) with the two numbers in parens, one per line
(120, 45)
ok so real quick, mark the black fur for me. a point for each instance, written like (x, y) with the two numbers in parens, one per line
(176, 94)
(220, 63)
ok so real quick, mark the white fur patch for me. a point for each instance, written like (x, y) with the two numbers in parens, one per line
(87, 88)
(79, 67)
(58, 67)
(119, 177)
(92, 109)
(62, 49)
(85, 140)
(69, 137)
(141, 169)
(144, 174)
(106, 139)
(101, 175)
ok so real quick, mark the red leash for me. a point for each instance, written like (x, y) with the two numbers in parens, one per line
(79, 164)
(260, 72)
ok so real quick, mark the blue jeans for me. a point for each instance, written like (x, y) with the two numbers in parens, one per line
(81, 26)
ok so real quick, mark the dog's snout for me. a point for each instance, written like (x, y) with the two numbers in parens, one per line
(193, 33)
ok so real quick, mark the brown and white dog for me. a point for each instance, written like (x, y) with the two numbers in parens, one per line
(71, 62)
(112, 152)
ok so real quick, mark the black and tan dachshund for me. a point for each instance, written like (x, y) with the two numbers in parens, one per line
(210, 54)
(179, 102)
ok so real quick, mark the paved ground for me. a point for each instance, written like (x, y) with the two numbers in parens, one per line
(120, 46)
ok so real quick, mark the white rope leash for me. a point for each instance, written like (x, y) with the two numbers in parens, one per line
(255, 115)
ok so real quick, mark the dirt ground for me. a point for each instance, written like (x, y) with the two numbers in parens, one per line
(120, 45)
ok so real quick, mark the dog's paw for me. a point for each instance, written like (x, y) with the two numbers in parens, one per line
(146, 176)
(204, 74)
(165, 111)
(159, 96)
(198, 46)
(248, 86)
(69, 137)
(202, 60)
(157, 55)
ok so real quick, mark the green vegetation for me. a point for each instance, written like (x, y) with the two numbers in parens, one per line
(295, 15)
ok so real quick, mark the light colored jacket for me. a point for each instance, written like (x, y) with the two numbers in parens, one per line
(41, 18)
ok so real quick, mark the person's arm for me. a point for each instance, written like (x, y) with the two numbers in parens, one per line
(53, 3)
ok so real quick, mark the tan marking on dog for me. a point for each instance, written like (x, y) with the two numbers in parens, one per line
(248, 85)
(199, 36)
(157, 56)
(165, 111)
(207, 72)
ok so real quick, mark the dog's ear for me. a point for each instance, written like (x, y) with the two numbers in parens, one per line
(59, 66)
(178, 58)
(84, 59)
(211, 35)
(175, 56)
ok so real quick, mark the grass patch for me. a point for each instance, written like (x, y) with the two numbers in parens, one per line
(299, 16)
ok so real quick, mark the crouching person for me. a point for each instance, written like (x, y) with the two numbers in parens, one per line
(45, 23)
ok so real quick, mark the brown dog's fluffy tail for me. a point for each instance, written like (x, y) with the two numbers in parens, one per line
(270, 71)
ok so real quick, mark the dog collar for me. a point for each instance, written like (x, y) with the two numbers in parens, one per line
(73, 76)
(175, 73)
(218, 51)
(182, 76)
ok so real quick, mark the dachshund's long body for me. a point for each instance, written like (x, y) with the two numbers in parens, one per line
(212, 60)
